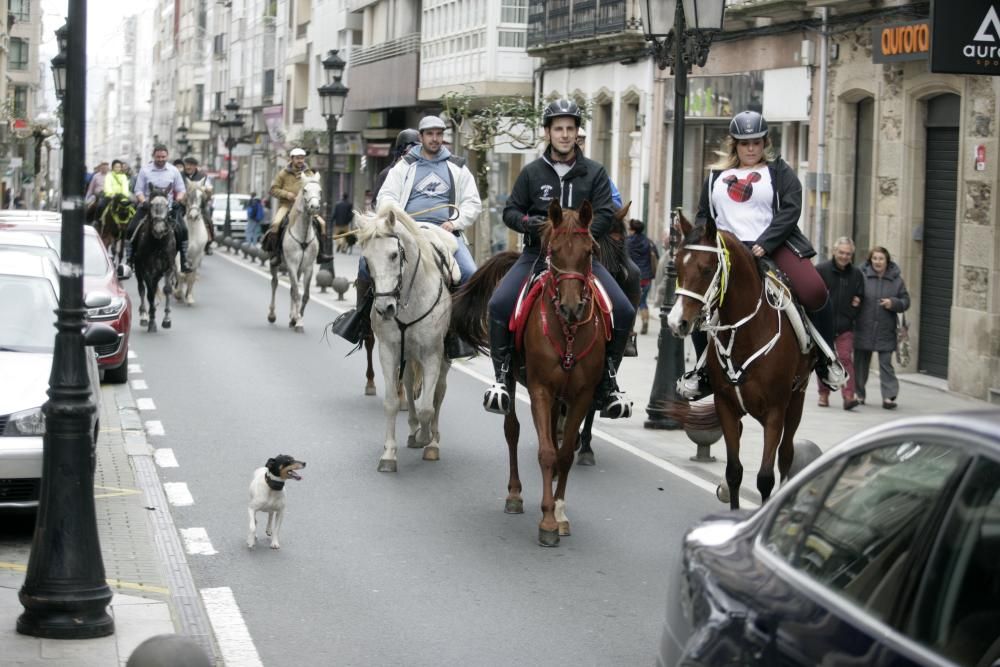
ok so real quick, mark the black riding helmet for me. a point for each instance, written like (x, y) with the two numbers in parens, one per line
(559, 108)
(748, 125)
(407, 138)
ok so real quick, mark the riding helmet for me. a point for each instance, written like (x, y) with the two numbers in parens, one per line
(748, 125)
(407, 138)
(559, 108)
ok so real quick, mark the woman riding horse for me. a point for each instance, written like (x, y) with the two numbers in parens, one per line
(758, 198)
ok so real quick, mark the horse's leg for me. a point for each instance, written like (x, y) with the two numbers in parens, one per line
(293, 309)
(140, 284)
(786, 450)
(274, 290)
(167, 291)
(306, 280)
(732, 429)
(542, 407)
(370, 371)
(430, 370)
(407, 397)
(774, 424)
(432, 452)
(512, 432)
(586, 455)
(151, 286)
(390, 403)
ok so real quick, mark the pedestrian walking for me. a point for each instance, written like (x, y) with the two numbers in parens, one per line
(847, 289)
(646, 256)
(875, 329)
(343, 214)
(255, 215)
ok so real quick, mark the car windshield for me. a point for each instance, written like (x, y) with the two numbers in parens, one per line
(27, 316)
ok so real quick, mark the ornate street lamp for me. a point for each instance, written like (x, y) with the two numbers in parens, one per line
(231, 118)
(681, 34)
(332, 96)
(182, 139)
(65, 594)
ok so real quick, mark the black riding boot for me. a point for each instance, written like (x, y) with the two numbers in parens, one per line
(695, 384)
(829, 371)
(182, 248)
(355, 324)
(497, 398)
(613, 402)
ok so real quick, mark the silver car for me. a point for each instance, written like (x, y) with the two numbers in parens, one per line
(29, 287)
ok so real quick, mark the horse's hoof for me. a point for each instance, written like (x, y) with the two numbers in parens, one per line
(722, 492)
(167, 324)
(432, 454)
(411, 442)
(291, 324)
(514, 506)
(387, 465)
(271, 318)
(151, 328)
(548, 538)
(585, 459)
(143, 321)
(299, 328)
(564, 528)
(369, 390)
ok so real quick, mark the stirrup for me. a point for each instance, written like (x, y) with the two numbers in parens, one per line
(834, 376)
(693, 385)
(497, 399)
(617, 406)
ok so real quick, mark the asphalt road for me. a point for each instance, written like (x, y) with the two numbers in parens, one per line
(421, 567)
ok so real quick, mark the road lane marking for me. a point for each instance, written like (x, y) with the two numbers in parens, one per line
(231, 632)
(134, 368)
(165, 458)
(131, 354)
(145, 403)
(178, 494)
(154, 427)
(196, 542)
(139, 385)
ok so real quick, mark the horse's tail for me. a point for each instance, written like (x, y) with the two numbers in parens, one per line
(470, 304)
(693, 416)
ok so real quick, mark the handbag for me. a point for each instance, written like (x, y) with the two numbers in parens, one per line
(902, 340)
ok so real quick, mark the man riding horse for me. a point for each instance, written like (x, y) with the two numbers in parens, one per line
(285, 188)
(193, 174)
(564, 175)
(158, 174)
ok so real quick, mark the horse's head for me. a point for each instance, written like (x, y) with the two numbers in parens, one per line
(195, 196)
(159, 208)
(386, 256)
(312, 195)
(570, 252)
(701, 274)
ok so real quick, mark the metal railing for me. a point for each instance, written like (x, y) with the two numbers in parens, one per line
(551, 21)
(400, 46)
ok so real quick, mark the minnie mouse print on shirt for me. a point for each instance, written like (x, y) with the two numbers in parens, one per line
(742, 198)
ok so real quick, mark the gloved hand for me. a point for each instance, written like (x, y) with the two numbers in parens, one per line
(533, 223)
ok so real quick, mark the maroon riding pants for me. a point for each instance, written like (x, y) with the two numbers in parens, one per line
(807, 285)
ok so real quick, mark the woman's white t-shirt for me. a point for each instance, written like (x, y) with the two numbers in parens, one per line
(743, 200)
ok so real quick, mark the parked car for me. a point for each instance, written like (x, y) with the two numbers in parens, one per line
(29, 287)
(100, 274)
(884, 551)
(237, 213)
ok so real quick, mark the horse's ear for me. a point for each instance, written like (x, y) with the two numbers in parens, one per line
(710, 230)
(622, 213)
(391, 219)
(586, 213)
(681, 224)
(555, 213)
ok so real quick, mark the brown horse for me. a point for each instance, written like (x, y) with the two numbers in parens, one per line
(754, 359)
(560, 361)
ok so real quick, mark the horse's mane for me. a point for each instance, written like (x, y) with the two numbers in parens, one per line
(372, 225)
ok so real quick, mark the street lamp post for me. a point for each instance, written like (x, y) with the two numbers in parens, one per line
(231, 118)
(65, 594)
(681, 35)
(332, 96)
(182, 139)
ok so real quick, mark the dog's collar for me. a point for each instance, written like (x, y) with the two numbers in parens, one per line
(275, 484)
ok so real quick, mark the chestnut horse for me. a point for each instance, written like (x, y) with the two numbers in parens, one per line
(561, 360)
(754, 359)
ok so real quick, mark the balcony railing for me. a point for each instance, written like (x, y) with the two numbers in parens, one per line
(390, 49)
(551, 21)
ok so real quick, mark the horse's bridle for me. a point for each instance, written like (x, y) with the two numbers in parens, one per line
(303, 242)
(716, 290)
(568, 358)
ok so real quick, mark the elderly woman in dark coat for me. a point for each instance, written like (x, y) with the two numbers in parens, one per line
(875, 328)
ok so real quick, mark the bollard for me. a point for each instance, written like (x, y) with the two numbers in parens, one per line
(168, 651)
(704, 436)
(341, 285)
(324, 279)
(806, 451)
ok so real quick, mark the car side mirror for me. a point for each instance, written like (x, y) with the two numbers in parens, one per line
(124, 272)
(98, 334)
(98, 299)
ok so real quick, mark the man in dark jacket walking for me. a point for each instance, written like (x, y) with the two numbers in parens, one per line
(343, 213)
(847, 289)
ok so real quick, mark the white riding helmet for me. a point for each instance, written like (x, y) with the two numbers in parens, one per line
(296, 152)
(431, 123)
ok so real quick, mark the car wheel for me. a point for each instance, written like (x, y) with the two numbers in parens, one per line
(118, 375)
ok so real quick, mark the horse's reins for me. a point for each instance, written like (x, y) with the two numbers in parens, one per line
(717, 291)
(344, 235)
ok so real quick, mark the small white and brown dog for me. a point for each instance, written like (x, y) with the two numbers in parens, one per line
(267, 494)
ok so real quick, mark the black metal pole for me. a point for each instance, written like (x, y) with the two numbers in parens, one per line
(331, 198)
(227, 226)
(65, 594)
(670, 349)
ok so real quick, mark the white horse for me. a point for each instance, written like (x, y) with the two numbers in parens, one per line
(410, 265)
(194, 199)
(299, 250)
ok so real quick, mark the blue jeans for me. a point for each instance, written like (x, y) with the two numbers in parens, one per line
(253, 232)
(466, 265)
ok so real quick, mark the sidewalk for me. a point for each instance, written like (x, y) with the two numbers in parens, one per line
(143, 560)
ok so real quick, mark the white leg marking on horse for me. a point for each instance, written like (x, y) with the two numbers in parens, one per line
(560, 511)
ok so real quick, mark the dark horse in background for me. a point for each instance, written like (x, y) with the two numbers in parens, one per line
(112, 223)
(560, 359)
(753, 336)
(154, 251)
